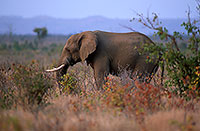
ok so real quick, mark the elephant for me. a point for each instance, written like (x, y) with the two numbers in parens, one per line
(107, 53)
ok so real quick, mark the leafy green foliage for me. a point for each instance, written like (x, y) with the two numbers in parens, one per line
(69, 84)
(182, 66)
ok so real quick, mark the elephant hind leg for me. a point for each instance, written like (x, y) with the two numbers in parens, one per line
(152, 73)
(146, 71)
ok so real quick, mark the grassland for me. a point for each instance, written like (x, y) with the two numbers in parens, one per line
(30, 98)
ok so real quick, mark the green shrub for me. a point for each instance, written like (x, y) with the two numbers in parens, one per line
(182, 66)
(3, 46)
(32, 83)
(24, 85)
(6, 91)
(27, 86)
(69, 84)
(16, 46)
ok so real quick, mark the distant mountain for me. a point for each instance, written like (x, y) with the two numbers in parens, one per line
(20, 25)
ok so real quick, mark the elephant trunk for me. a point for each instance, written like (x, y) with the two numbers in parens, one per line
(61, 69)
(61, 72)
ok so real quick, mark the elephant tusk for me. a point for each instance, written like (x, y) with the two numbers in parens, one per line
(55, 69)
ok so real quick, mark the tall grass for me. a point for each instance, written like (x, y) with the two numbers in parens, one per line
(30, 99)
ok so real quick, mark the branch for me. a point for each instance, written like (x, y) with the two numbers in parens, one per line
(128, 28)
(173, 39)
(147, 22)
(191, 26)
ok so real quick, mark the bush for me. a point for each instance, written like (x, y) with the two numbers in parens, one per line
(182, 66)
(3, 46)
(30, 87)
(6, 91)
(69, 84)
(32, 83)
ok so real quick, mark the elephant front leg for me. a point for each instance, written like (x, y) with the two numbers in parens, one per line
(100, 81)
(100, 72)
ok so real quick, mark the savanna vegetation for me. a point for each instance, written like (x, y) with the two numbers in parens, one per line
(30, 98)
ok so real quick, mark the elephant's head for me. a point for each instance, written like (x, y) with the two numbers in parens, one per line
(77, 48)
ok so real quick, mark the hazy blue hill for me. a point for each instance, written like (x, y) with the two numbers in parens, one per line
(20, 25)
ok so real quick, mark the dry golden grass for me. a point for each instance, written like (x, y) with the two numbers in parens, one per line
(62, 116)
(172, 120)
(121, 107)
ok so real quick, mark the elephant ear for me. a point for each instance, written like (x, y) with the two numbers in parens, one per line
(87, 44)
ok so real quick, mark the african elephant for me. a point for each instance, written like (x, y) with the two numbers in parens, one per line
(106, 52)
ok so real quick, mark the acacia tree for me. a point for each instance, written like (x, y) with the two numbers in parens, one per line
(182, 67)
(41, 32)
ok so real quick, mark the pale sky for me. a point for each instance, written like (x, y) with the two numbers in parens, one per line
(106, 8)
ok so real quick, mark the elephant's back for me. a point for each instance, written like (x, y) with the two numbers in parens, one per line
(122, 48)
(121, 39)
(120, 42)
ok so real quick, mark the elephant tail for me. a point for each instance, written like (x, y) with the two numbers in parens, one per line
(155, 68)
(162, 73)
(162, 67)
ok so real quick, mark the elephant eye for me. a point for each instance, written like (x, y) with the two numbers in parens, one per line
(73, 48)
(67, 49)
(76, 50)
